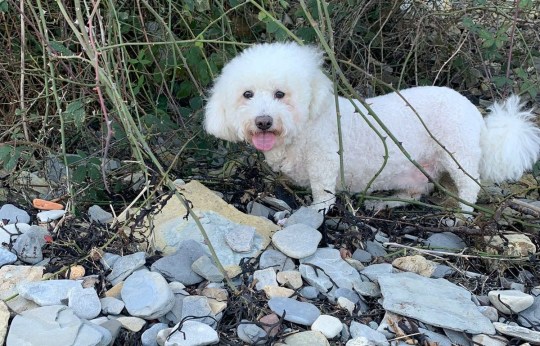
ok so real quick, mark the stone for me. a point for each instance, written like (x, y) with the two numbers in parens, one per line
(131, 323)
(197, 306)
(329, 326)
(148, 338)
(358, 330)
(275, 259)
(177, 266)
(251, 333)
(489, 340)
(219, 294)
(13, 214)
(125, 265)
(434, 301)
(13, 275)
(258, 209)
(84, 302)
(276, 203)
(147, 295)
(374, 271)
(518, 332)
(445, 241)
(510, 301)
(6, 257)
(50, 292)
(360, 341)
(438, 339)
(290, 278)
(367, 289)
(297, 241)
(98, 215)
(275, 291)
(270, 323)
(295, 311)
(28, 245)
(306, 216)
(192, 333)
(310, 338)
(264, 277)
(346, 304)
(375, 249)
(115, 291)
(4, 319)
(206, 268)
(240, 239)
(347, 293)
(53, 325)
(415, 264)
(490, 312)
(111, 306)
(531, 316)
(169, 223)
(113, 326)
(108, 259)
(11, 231)
(442, 271)
(514, 244)
(50, 215)
(362, 256)
(309, 292)
(106, 335)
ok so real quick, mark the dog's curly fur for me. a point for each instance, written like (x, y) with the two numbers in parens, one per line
(289, 112)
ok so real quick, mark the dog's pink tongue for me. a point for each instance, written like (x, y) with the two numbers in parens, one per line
(264, 140)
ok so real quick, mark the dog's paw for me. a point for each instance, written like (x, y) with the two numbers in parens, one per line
(376, 206)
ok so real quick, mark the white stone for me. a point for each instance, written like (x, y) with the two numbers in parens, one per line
(328, 325)
(297, 241)
(518, 332)
(489, 340)
(50, 215)
(193, 333)
(346, 304)
(265, 277)
(516, 300)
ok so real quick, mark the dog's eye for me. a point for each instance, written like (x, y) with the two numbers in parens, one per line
(279, 94)
(248, 94)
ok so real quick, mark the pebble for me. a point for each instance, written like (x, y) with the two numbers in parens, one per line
(50, 215)
(514, 244)
(270, 324)
(108, 259)
(362, 256)
(276, 291)
(306, 216)
(346, 304)
(375, 249)
(177, 266)
(359, 341)
(206, 268)
(490, 312)
(531, 316)
(198, 306)
(53, 325)
(309, 338)
(240, 239)
(6, 257)
(290, 278)
(329, 326)
(148, 338)
(28, 245)
(518, 332)
(517, 301)
(309, 292)
(347, 293)
(488, 340)
(316, 278)
(251, 333)
(7, 231)
(374, 271)
(438, 339)
(412, 295)
(131, 323)
(192, 333)
(50, 292)
(297, 241)
(84, 302)
(264, 277)
(14, 275)
(446, 241)
(4, 318)
(125, 265)
(147, 295)
(295, 311)
(415, 264)
(258, 209)
(358, 330)
(98, 215)
(113, 326)
(13, 214)
(275, 259)
(367, 289)
(111, 306)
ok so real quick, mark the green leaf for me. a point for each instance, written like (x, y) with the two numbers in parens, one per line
(75, 112)
(261, 16)
(4, 6)
(60, 48)
(272, 27)
(5, 152)
(10, 164)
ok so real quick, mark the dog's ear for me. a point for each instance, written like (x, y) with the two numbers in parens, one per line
(215, 118)
(321, 94)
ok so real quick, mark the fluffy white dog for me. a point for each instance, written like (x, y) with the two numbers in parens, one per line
(276, 97)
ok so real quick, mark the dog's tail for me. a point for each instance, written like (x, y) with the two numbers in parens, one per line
(510, 142)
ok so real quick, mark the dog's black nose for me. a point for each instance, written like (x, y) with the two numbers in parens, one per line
(263, 122)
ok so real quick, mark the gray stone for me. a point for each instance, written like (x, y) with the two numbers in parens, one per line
(309, 292)
(13, 214)
(446, 241)
(206, 268)
(275, 259)
(111, 306)
(11, 231)
(374, 271)
(12, 276)
(4, 318)
(50, 292)
(197, 306)
(125, 265)
(147, 295)
(490, 312)
(297, 241)
(257, 209)
(251, 333)
(52, 325)
(276, 203)
(457, 337)
(442, 271)
(175, 314)
(295, 311)
(265, 277)
(531, 316)
(367, 289)
(362, 256)
(347, 293)
(510, 301)
(306, 216)
(316, 278)
(309, 338)
(98, 215)
(438, 339)
(108, 259)
(106, 336)
(433, 301)
(149, 337)
(240, 239)
(375, 249)
(177, 266)
(361, 330)
(28, 245)
(113, 326)
(192, 333)
(84, 302)
(6, 256)
(50, 215)
(486, 340)
(518, 332)
(333, 266)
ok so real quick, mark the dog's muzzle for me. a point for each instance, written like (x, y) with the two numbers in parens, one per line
(263, 122)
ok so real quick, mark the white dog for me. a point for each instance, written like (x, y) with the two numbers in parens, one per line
(276, 97)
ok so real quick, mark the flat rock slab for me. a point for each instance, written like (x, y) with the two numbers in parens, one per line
(50, 292)
(306, 216)
(297, 241)
(178, 266)
(437, 302)
(518, 332)
(295, 311)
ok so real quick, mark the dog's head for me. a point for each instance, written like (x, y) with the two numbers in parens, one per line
(266, 95)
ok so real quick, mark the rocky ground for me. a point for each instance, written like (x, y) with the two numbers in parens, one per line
(296, 277)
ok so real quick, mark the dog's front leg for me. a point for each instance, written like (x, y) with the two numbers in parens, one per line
(323, 172)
